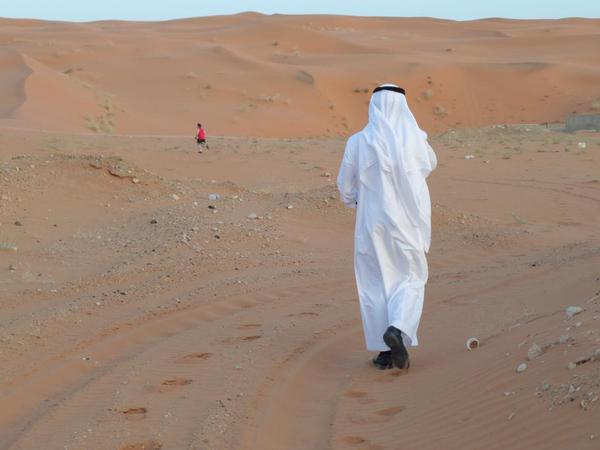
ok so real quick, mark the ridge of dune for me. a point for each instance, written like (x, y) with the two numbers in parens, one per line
(43, 97)
(279, 75)
(13, 73)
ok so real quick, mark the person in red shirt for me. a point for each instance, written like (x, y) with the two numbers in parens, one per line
(201, 139)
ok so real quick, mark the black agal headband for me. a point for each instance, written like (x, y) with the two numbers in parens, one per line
(390, 88)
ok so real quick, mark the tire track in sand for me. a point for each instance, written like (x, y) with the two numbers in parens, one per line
(302, 393)
(33, 397)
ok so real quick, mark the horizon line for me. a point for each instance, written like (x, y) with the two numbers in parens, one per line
(241, 13)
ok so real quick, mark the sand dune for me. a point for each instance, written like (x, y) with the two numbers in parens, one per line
(36, 96)
(53, 100)
(12, 81)
(138, 311)
(240, 74)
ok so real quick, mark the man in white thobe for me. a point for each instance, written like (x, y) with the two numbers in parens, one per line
(383, 175)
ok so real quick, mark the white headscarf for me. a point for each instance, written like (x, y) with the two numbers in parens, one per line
(400, 148)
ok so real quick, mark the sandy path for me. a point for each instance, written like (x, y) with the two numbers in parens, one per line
(206, 329)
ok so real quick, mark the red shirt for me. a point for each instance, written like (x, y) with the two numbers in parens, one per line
(201, 133)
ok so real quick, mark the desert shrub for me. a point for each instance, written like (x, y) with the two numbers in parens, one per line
(439, 111)
(91, 124)
(271, 98)
(245, 107)
(427, 94)
(104, 122)
(305, 77)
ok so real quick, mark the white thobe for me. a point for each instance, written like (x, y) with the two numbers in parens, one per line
(390, 245)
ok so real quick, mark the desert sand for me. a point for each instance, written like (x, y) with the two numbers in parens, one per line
(137, 313)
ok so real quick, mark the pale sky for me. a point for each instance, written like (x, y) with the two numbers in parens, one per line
(85, 10)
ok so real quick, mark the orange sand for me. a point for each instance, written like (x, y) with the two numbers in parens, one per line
(133, 316)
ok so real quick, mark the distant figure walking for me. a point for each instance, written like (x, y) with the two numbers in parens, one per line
(383, 175)
(201, 139)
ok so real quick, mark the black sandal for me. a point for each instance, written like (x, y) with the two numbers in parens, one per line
(399, 354)
(383, 361)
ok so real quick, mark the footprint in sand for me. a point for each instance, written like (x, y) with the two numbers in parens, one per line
(324, 305)
(391, 375)
(150, 445)
(176, 382)
(235, 340)
(304, 314)
(251, 338)
(355, 394)
(135, 413)
(361, 397)
(194, 357)
(364, 443)
(388, 412)
(381, 416)
(354, 440)
(135, 410)
(357, 440)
